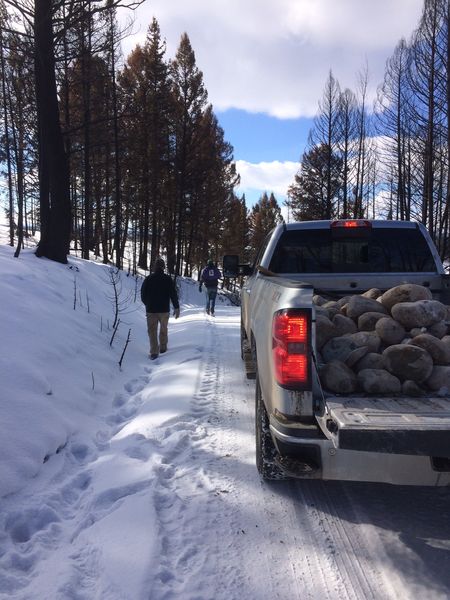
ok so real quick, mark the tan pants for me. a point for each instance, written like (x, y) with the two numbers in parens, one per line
(152, 326)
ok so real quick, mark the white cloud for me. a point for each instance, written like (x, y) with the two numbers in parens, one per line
(273, 56)
(257, 178)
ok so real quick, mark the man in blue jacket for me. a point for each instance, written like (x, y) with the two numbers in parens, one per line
(157, 291)
(210, 279)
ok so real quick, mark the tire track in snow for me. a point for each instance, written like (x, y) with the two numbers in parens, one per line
(338, 555)
(189, 493)
(289, 544)
(248, 539)
(255, 544)
(274, 553)
(404, 541)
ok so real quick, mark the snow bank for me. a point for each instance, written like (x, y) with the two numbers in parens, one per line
(58, 371)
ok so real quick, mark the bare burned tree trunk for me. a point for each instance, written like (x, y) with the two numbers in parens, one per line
(117, 170)
(325, 136)
(18, 147)
(362, 135)
(445, 218)
(429, 152)
(86, 74)
(7, 139)
(54, 187)
(347, 116)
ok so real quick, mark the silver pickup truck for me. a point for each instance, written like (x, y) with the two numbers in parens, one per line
(301, 430)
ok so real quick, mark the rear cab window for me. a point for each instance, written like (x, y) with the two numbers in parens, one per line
(357, 250)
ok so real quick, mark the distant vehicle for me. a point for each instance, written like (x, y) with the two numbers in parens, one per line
(301, 430)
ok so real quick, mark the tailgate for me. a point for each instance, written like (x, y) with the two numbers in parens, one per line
(419, 426)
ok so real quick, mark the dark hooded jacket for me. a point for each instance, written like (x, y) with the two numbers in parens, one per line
(157, 291)
(210, 276)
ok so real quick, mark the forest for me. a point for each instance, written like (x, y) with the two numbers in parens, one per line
(124, 157)
(127, 157)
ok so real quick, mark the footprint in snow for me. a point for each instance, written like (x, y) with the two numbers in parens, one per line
(187, 360)
(175, 444)
(166, 471)
(107, 499)
(137, 385)
(141, 448)
(138, 453)
(102, 439)
(18, 562)
(124, 414)
(179, 426)
(73, 489)
(82, 453)
(119, 400)
(21, 527)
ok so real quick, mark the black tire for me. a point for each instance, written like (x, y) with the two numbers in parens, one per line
(265, 448)
(243, 340)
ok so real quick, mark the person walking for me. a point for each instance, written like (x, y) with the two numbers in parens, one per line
(210, 279)
(157, 291)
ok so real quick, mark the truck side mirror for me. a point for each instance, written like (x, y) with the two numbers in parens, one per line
(232, 268)
(231, 265)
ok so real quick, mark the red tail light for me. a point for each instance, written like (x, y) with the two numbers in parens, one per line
(291, 348)
(352, 223)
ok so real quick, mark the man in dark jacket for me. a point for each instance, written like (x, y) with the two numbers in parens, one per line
(210, 279)
(157, 291)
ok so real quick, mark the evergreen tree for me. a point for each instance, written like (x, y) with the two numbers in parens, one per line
(137, 153)
(145, 94)
(264, 216)
(214, 183)
(190, 97)
(317, 178)
(235, 235)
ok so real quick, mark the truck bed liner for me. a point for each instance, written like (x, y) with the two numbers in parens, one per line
(404, 425)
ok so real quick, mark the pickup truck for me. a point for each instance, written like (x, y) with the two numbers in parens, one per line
(302, 430)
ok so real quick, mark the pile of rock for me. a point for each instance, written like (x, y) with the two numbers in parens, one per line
(394, 342)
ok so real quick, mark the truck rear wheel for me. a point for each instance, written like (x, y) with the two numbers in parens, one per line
(265, 448)
(243, 341)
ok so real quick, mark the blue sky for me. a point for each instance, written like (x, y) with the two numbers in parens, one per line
(265, 64)
(267, 149)
(258, 137)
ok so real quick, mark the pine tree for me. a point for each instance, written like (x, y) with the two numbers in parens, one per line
(265, 215)
(190, 99)
(145, 93)
(317, 178)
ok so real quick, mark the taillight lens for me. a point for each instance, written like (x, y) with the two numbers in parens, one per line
(351, 223)
(291, 348)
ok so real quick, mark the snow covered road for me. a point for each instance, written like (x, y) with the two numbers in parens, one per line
(300, 539)
(158, 498)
